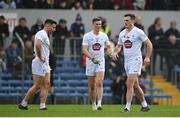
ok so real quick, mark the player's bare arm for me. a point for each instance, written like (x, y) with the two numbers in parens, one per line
(117, 49)
(110, 49)
(149, 49)
(86, 52)
(38, 50)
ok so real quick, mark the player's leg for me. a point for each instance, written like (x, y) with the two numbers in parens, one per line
(130, 91)
(140, 94)
(36, 86)
(99, 85)
(45, 85)
(92, 91)
(51, 90)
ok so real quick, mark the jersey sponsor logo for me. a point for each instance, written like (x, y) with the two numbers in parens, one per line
(96, 46)
(128, 44)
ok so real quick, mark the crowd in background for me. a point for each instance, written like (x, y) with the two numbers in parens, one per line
(92, 4)
(166, 44)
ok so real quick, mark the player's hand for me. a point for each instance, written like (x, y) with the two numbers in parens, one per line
(42, 59)
(147, 61)
(115, 56)
(95, 61)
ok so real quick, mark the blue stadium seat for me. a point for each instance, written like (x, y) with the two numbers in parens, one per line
(71, 76)
(69, 62)
(145, 81)
(154, 89)
(5, 74)
(68, 69)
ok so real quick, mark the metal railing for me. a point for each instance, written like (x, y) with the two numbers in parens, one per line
(68, 48)
(23, 60)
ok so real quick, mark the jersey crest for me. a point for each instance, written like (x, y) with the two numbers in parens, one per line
(96, 46)
(128, 44)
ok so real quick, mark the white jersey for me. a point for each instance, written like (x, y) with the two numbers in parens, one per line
(132, 42)
(43, 36)
(96, 44)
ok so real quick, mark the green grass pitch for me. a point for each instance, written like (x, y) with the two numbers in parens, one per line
(86, 111)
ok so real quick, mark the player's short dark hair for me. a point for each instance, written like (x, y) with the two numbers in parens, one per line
(50, 21)
(132, 16)
(96, 19)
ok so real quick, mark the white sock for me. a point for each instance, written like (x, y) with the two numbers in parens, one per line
(128, 105)
(144, 103)
(94, 103)
(99, 102)
(24, 103)
(42, 105)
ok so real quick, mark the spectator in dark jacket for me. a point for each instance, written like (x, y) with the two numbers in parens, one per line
(13, 54)
(4, 30)
(52, 63)
(3, 66)
(172, 30)
(60, 35)
(37, 26)
(172, 55)
(77, 30)
(22, 29)
(156, 35)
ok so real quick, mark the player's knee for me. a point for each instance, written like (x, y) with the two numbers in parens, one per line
(36, 86)
(99, 84)
(136, 86)
(129, 85)
(92, 88)
(47, 85)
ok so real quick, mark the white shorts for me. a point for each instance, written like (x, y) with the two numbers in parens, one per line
(39, 68)
(133, 66)
(92, 68)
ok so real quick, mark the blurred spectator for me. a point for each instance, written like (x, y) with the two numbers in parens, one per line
(19, 3)
(8, 4)
(172, 30)
(77, 30)
(22, 29)
(77, 5)
(32, 3)
(109, 66)
(105, 28)
(3, 67)
(37, 26)
(119, 89)
(4, 30)
(13, 54)
(52, 64)
(138, 22)
(90, 5)
(159, 4)
(139, 4)
(155, 34)
(61, 4)
(177, 4)
(28, 55)
(60, 35)
(172, 55)
(123, 4)
(50, 3)
(103, 4)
